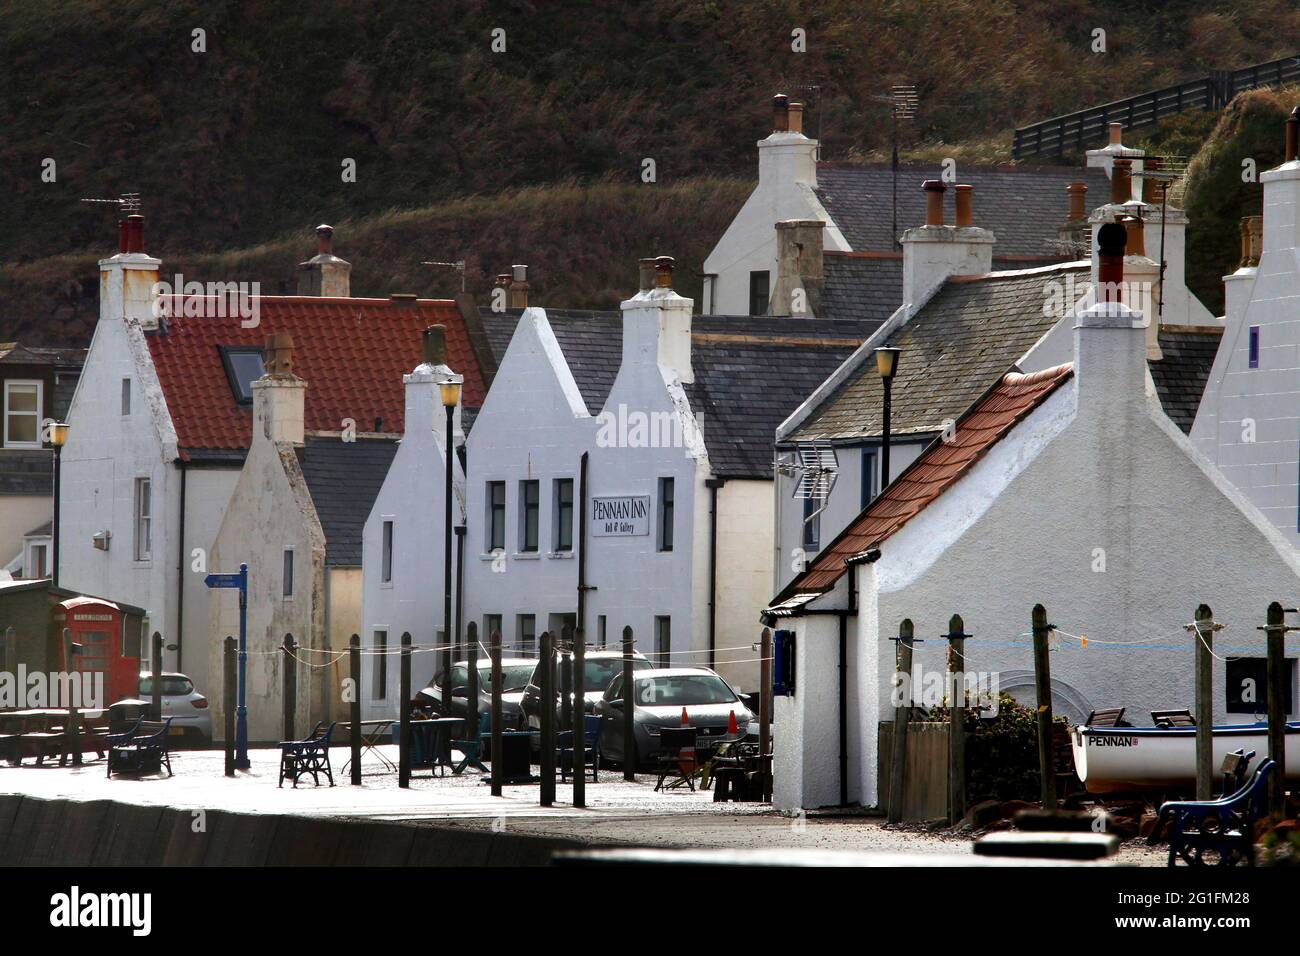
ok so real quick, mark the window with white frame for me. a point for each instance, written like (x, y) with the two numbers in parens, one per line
(143, 519)
(386, 573)
(23, 414)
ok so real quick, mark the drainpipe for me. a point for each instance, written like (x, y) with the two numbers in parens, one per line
(180, 574)
(582, 546)
(713, 484)
(458, 645)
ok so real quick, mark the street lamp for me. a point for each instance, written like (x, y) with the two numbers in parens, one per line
(887, 366)
(58, 436)
(449, 392)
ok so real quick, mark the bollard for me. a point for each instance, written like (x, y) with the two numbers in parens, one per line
(566, 676)
(354, 705)
(1043, 682)
(1203, 628)
(494, 649)
(290, 687)
(1276, 630)
(629, 709)
(579, 718)
(471, 702)
(228, 703)
(404, 715)
(546, 669)
(157, 676)
(902, 716)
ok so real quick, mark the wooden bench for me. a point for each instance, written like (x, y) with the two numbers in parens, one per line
(141, 749)
(310, 755)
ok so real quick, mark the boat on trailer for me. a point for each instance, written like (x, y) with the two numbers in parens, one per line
(1111, 759)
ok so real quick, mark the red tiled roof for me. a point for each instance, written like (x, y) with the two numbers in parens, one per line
(939, 467)
(351, 352)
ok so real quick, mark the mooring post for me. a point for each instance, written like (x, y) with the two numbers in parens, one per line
(498, 771)
(902, 684)
(1276, 630)
(1203, 629)
(404, 715)
(1043, 682)
(354, 705)
(290, 687)
(471, 701)
(228, 702)
(579, 718)
(546, 667)
(156, 704)
(957, 719)
(629, 709)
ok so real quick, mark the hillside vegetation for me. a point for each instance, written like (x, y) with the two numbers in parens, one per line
(241, 147)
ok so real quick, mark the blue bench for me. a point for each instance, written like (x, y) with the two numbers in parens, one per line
(142, 748)
(1225, 827)
(308, 756)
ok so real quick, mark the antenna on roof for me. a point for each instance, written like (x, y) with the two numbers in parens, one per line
(459, 266)
(814, 465)
(811, 97)
(129, 203)
(1164, 172)
(903, 101)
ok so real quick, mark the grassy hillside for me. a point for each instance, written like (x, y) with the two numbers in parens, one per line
(240, 146)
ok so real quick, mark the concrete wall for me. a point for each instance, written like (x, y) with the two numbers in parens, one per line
(343, 618)
(19, 514)
(744, 585)
(207, 492)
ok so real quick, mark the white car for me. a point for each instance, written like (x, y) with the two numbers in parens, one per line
(188, 709)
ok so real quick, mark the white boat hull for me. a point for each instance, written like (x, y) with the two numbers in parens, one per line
(1109, 759)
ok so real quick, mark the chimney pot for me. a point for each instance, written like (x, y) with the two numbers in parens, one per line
(1077, 193)
(1121, 182)
(646, 273)
(325, 239)
(1116, 129)
(1111, 240)
(1135, 244)
(325, 274)
(934, 190)
(962, 201)
(279, 354)
(794, 117)
(1256, 229)
(1150, 186)
(518, 289)
(131, 233)
(1293, 135)
(664, 272)
(404, 299)
(780, 113)
(435, 345)
(503, 280)
(123, 235)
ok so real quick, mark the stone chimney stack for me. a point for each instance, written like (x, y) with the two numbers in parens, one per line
(519, 287)
(1110, 355)
(799, 275)
(935, 251)
(279, 396)
(657, 326)
(325, 274)
(128, 280)
(787, 155)
(424, 409)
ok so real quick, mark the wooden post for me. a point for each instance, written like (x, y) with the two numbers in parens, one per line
(73, 731)
(546, 667)
(290, 687)
(1276, 631)
(566, 676)
(902, 715)
(354, 705)
(228, 703)
(629, 709)
(156, 705)
(579, 718)
(957, 719)
(404, 715)
(765, 710)
(1204, 631)
(10, 659)
(471, 702)
(1043, 682)
(498, 771)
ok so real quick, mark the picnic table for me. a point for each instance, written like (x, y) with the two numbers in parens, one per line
(373, 733)
(44, 732)
(431, 742)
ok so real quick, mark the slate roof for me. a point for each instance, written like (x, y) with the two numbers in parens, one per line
(1023, 205)
(344, 479)
(939, 467)
(15, 353)
(351, 352)
(1181, 375)
(26, 472)
(751, 372)
(971, 332)
(860, 287)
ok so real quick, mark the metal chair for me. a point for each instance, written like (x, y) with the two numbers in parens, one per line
(310, 755)
(472, 750)
(672, 741)
(1225, 826)
(591, 724)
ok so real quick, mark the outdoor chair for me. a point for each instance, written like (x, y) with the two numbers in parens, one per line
(472, 750)
(591, 748)
(309, 755)
(1225, 827)
(1113, 717)
(672, 741)
(40, 737)
(1169, 719)
(142, 749)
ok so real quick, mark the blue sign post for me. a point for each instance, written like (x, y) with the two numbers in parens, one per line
(240, 581)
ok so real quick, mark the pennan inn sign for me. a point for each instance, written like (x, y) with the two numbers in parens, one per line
(623, 516)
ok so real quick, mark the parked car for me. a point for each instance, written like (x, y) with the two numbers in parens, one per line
(515, 672)
(660, 695)
(600, 668)
(191, 718)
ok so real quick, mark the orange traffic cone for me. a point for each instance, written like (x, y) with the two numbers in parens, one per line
(686, 756)
(733, 728)
(685, 720)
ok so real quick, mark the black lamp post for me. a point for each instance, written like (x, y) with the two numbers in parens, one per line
(449, 392)
(887, 366)
(58, 436)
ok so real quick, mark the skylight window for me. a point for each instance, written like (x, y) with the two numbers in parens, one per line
(243, 366)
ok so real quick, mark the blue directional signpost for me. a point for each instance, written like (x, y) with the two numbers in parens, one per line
(240, 581)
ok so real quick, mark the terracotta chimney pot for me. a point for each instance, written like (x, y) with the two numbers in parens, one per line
(1121, 182)
(1116, 130)
(1135, 245)
(1077, 194)
(664, 272)
(934, 190)
(780, 113)
(325, 240)
(646, 273)
(1111, 240)
(794, 114)
(435, 345)
(962, 201)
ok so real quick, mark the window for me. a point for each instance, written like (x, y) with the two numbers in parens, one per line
(288, 572)
(143, 519)
(386, 562)
(663, 639)
(758, 289)
(126, 397)
(563, 514)
(379, 675)
(600, 630)
(1252, 354)
(244, 366)
(527, 634)
(496, 518)
(22, 414)
(665, 514)
(1246, 682)
(37, 561)
(868, 477)
(529, 504)
(812, 524)
(491, 625)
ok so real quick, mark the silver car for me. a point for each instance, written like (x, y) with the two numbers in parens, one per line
(660, 696)
(191, 717)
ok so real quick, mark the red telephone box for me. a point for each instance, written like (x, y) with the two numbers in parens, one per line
(98, 627)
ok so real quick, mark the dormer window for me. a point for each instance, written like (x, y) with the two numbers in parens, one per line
(244, 365)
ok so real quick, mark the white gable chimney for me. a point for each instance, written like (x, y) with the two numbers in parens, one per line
(1110, 353)
(325, 274)
(657, 326)
(935, 251)
(279, 396)
(1237, 287)
(128, 280)
(424, 409)
(799, 275)
(787, 155)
